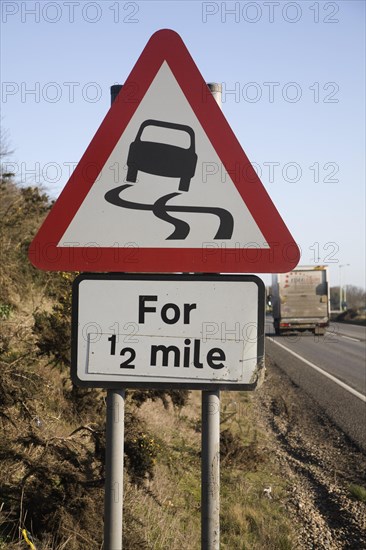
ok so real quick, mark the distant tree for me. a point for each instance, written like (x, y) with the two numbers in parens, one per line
(334, 298)
(355, 297)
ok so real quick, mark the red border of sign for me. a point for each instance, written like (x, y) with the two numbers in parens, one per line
(283, 254)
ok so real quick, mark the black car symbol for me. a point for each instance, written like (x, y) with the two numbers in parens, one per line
(162, 159)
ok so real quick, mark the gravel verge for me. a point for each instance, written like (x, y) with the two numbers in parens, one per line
(319, 461)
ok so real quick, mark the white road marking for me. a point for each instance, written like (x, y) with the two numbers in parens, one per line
(325, 373)
(350, 338)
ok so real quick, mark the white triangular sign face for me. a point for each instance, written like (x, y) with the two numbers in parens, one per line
(164, 185)
(102, 222)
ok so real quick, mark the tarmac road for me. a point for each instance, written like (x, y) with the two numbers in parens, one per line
(330, 368)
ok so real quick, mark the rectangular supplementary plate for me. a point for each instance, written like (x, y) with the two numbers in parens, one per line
(163, 331)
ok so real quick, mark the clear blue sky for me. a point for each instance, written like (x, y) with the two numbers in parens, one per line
(297, 68)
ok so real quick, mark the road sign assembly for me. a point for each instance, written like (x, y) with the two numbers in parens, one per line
(164, 185)
(156, 331)
(166, 203)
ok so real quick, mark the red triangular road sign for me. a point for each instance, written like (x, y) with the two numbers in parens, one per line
(164, 186)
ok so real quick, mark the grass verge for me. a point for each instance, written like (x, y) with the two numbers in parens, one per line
(253, 494)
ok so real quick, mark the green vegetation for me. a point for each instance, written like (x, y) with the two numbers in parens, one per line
(358, 492)
(52, 442)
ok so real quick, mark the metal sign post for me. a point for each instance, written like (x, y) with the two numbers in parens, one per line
(113, 497)
(210, 455)
(114, 454)
(210, 468)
